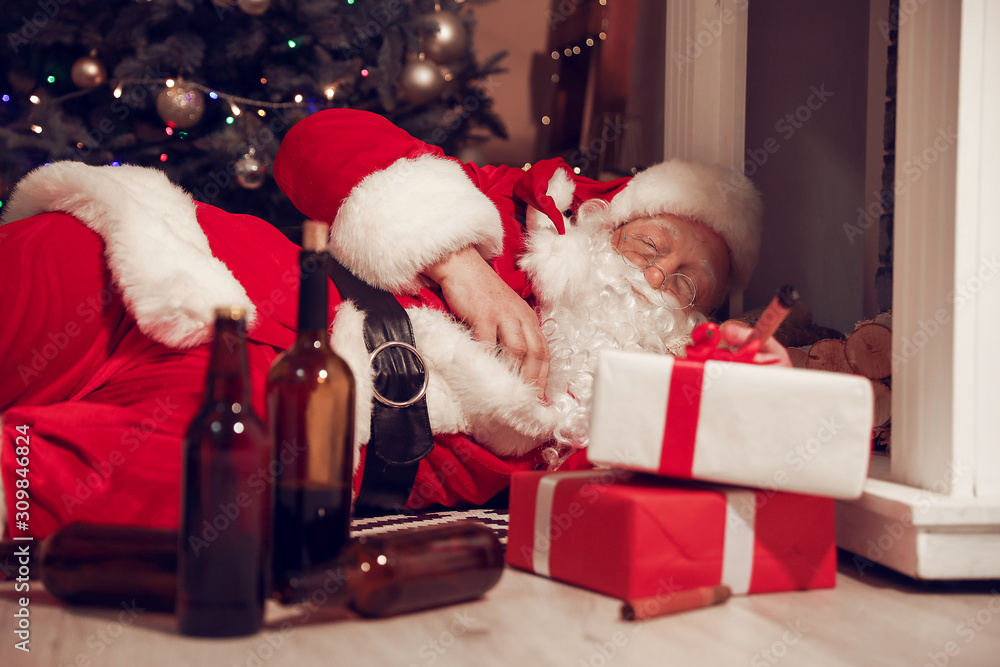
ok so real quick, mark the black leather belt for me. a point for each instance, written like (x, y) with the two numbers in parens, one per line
(400, 429)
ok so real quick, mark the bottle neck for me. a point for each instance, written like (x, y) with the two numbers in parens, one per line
(229, 368)
(313, 295)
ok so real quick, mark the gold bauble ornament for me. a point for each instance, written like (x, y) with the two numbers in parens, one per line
(421, 81)
(445, 37)
(250, 173)
(254, 7)
(88, 72)
(180, 106)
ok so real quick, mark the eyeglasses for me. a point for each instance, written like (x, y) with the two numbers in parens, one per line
(639, 252)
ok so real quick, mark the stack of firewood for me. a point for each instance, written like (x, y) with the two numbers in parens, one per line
(865, 351)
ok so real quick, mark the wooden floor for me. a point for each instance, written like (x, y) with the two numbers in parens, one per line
(878, 618)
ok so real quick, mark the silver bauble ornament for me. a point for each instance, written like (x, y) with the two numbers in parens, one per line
(180, 106)
(250, 173)
(88, 72)
(421, 81)
(254, 7)
(445, 37)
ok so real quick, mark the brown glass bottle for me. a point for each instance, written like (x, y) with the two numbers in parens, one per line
(223, 557)
(310, 402)
(111, 566)
(377, 575)
(408, 570)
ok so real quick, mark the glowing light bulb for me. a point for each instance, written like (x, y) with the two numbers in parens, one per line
(169, 83)
(298, 98)
(37, 129)
(261, 113)
(34, 99)
(163, 157)
(235, 109)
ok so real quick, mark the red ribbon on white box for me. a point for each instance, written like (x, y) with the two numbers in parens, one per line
(738, 536)
(683, 411)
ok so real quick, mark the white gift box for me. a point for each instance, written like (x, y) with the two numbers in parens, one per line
(769, 427)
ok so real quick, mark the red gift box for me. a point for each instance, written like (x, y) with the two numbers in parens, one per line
(634, 536)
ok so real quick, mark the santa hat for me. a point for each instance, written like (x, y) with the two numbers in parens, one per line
(723, 199)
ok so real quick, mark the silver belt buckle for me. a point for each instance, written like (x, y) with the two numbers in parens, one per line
(423, 390)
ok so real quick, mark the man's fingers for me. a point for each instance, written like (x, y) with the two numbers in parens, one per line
(526, 346)
(543, 377)
(734, 334)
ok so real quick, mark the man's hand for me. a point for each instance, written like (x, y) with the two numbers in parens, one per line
(772, 352)
(497, 315)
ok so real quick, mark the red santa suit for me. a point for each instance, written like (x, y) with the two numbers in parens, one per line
(111, 275)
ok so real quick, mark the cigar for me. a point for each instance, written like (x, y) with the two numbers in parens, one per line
(661, 605)
(772, 317)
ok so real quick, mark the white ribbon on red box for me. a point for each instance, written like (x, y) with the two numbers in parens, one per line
(738, 535)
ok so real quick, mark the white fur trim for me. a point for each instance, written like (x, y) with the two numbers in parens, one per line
(157, 252)
(400, 220)
(727, 202)
(347, 340)
(560, 189)
(474, 391)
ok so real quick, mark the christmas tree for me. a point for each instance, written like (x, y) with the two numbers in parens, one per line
(205, 89)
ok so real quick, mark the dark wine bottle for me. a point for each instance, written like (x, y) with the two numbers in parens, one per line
(388, 574)
(310, 402)
(223, 557)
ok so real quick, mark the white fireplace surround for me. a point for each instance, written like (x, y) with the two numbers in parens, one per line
(934, 511)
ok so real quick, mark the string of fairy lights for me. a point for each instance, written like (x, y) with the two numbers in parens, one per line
(181, 102)
(571, 50)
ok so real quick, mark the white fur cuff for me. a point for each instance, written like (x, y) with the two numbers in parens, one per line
(157, 252)
(400, 220)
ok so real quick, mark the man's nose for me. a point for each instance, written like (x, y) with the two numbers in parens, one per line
(655, 275)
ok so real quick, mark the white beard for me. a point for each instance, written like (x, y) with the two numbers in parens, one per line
(590, 300)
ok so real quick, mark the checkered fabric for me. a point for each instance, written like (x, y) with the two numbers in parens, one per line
(495, 519)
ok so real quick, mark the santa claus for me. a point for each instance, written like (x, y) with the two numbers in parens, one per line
(511, 278)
